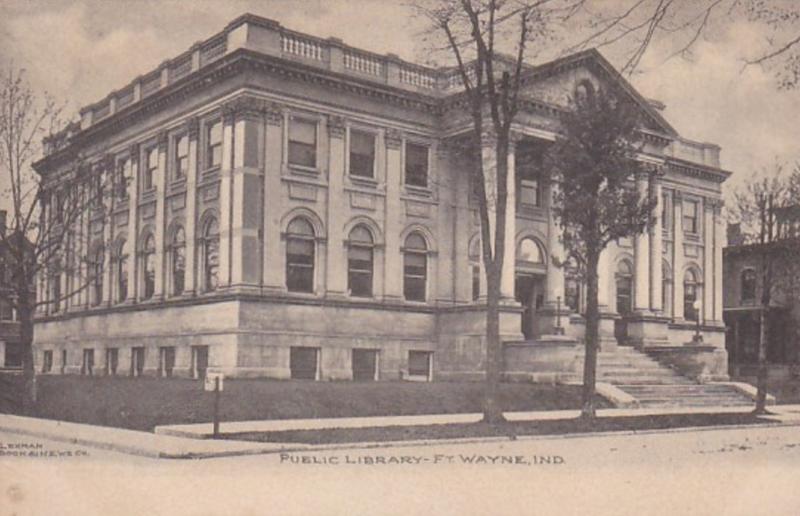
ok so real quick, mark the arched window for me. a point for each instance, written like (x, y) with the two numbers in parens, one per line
(529, 252)
(300, 246)
(178, 260)
(360, 262)
(210, 251)
(624, 283)
(584, 92)
(97, 277)
(121, 271)
(691, 293)
(748, 286)
(415, 267)
(148, 260)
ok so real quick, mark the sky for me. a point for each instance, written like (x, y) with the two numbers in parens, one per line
(81, 50)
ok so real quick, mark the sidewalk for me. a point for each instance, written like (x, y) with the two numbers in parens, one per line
(191, 441)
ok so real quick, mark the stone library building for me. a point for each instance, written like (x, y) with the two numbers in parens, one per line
(287, 206)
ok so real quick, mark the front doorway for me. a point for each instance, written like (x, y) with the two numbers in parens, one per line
(529, 292)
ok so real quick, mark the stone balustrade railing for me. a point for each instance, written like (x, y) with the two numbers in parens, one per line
(363, 63)
(302, 46)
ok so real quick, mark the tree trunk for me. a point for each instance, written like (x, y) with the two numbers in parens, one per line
(492, 411)
(25, 313)
(592, 330)
(761, 377)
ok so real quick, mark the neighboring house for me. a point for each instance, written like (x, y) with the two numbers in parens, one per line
(10, 347)
(290, 206)
(743, 289)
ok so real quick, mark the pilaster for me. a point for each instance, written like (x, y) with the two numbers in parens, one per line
(393, 286)
(720, 242)
(225, 198)
(336, 276)
(130, 247)
(677, 257)
(246, 193)
(190, 279)
(273, 260)
(510, 255)
(161, 192)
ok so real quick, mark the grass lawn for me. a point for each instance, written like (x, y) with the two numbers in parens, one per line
(511, 429)
(143, 403)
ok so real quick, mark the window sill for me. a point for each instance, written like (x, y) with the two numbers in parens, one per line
(368, 182)
(210, 171)
(303, 169)
(418, 191)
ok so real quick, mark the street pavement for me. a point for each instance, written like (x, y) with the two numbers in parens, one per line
(743, 471)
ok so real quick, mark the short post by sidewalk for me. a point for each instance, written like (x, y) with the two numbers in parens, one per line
(213, 382)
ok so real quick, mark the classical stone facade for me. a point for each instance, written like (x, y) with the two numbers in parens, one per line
(290, 206)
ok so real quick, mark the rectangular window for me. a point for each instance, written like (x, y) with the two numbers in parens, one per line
(214, 145)
(13, 354)
(151, 169)
(665, 219)
(181, 157)
(304, 363)
(359, 271)
(6, 310)
(365, 365)
(414, 276)
(416, 165)
(112, 361)
(47, 361)
(199, 362)
(137, 361)
(166, 359)
(419, 364)
(362, 154)
(303, 143)
(690, 216)
(300, 265)
(87, 368)
(529, 192)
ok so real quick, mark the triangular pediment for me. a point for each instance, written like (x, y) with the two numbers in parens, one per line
(554, 83)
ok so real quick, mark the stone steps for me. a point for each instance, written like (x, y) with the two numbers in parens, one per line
(655, 385)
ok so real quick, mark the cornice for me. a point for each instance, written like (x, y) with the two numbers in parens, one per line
(705, 172)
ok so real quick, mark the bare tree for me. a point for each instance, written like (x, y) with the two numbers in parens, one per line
(759, 207)
(594, 165)
(33, 245)
(474, 34)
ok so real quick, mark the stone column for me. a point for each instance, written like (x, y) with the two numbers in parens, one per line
(247, 203)
(720, 242)
(708, 258)
(190, 273)
(273, 161)
(641, 253)
(677, 256)
(393, 263)
(225, 198)
(604, 281)
(161, 202)
(656, 248)
(130, 248)
(337, 267)
(462, 231)
(509, 255)
(556, 252)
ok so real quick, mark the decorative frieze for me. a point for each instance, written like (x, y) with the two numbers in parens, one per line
(303, 192)
(163, 141)
(193, 127)
(393, 139)
(273, 113)
(363, 201)
(336, 126)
